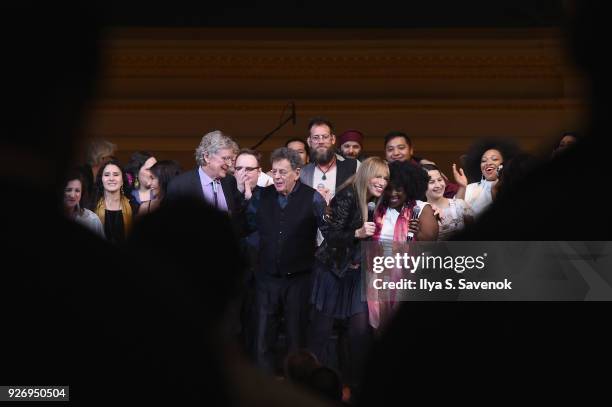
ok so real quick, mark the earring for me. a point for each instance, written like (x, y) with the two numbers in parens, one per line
(122, 193)
(136, 183)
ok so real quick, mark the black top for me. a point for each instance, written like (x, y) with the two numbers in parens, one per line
(113, 226)
(287, 228)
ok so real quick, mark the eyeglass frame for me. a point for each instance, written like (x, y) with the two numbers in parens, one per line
(321, 137)
(247, 169)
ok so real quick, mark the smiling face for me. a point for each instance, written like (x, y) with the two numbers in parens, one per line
(144, 174)
(377, 185)
(72, 194)
(436, 185)
(398, 149)
(351, 149)
(218, 164)
(284, 176)
(112, 179)
(490, 161)
(321, 141)
(396, 197)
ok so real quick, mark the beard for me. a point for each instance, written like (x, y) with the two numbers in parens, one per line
(322, 157)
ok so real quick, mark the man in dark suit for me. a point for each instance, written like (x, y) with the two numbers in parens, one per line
(210, 181)
(326, 170)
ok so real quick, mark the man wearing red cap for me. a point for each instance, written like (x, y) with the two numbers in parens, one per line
(351, 144)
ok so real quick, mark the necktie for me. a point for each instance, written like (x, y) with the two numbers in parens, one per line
(215, 186)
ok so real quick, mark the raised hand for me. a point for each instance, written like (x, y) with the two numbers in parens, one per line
(460, 177)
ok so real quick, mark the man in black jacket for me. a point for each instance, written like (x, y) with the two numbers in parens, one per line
(286, 215)
(210, 181)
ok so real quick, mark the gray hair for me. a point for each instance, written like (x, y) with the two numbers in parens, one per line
(211, 143)
(99, 148)
(284, 153)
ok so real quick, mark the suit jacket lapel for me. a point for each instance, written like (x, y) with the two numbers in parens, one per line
(196, 184)
(307, 175)
(227, 186)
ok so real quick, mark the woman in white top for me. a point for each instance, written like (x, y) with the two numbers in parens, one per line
(73, 193)
(393, 223)
(454, 213)
(487, 158)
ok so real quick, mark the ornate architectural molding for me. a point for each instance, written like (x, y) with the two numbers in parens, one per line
(245, 63)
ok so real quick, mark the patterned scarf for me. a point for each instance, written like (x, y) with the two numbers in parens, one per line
(381, 307)
(400, 233)
(126, 212)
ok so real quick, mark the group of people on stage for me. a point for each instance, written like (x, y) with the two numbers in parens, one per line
(301, 224)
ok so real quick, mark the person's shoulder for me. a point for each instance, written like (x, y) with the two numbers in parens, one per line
(348, 192)
(264, 191)
(89, 215)
(307, 167)
(348, 163)
(183, 180)
(422, 204)
(191, 173)
(229, 179)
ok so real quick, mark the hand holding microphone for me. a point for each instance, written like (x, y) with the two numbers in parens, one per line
(413, 225)
(369, 227)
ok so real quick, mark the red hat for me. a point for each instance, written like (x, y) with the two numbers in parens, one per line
(351, 135)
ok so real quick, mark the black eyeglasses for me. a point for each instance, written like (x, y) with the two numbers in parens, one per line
(247, 169)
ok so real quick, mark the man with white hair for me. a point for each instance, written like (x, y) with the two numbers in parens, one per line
(210, 181)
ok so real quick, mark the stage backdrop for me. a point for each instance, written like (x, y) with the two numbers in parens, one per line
(164, 88)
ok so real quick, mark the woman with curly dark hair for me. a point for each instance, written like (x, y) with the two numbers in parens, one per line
(485, 159)
(394, 222)
(405, 191)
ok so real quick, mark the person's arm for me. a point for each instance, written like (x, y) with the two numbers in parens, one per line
(338, 234)
(428, 225)
(461, 180)
(250, 212)
(319, 209)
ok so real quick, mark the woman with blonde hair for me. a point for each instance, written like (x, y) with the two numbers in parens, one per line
(113, 207)
(337, 285)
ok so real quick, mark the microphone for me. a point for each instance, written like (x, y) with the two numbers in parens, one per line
(371, 207)
(293, 113)
(415, 215)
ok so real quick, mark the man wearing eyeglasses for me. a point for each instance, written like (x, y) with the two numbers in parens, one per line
(326, 170)
(210, 181)
(286, 215)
